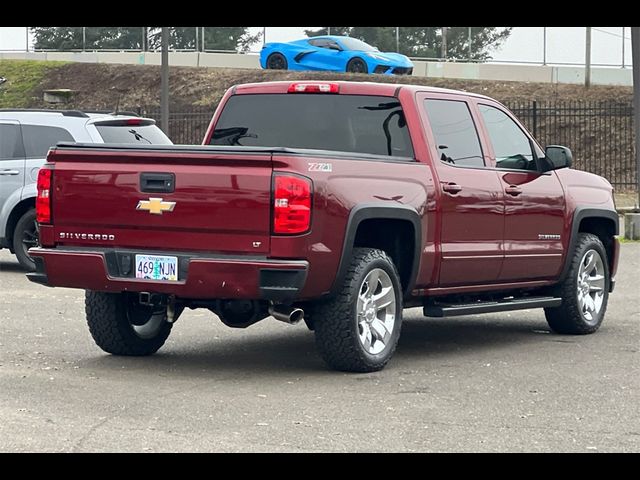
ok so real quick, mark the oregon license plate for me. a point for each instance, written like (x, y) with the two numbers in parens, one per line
(157, 267)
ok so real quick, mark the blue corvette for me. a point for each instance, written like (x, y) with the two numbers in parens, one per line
(335, 54)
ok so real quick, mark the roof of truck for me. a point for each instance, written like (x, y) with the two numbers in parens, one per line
(359, 88)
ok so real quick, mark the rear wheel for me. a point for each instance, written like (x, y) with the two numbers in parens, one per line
(358, 329)
(25, 236)
(585, 290)
(120, 325)
(276, 61)
(357, 65)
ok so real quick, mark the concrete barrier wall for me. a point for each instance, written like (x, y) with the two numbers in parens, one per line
(468, 71)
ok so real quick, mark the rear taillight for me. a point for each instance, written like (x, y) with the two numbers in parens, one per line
(43, 200)
(314, 88)
(292, 204)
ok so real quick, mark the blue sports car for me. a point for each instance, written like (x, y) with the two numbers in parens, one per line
(335, 54)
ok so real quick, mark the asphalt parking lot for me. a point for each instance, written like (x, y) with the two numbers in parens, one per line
(499, 382)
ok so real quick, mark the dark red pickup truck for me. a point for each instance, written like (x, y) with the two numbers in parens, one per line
(340, 203)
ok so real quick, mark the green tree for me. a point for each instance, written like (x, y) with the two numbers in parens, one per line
(427, 41)
(180, 38)
(216, 38)
(70, 38)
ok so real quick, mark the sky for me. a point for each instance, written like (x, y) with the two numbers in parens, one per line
(525, 44)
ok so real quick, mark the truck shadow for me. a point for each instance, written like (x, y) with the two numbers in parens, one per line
(292, 352)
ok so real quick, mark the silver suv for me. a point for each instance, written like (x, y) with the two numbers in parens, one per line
(25, 138)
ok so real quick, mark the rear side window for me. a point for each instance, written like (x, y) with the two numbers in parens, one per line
(10, 142)
(345, 123)
(455, 133)
(39, 139)
(138, 134)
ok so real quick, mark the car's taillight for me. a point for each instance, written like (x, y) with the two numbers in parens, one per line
(292, 204)
(314, 88)
(43, 200)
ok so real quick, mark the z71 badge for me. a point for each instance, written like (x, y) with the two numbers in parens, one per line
(320, 167)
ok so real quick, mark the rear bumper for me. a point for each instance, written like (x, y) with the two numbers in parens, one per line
(200, 277)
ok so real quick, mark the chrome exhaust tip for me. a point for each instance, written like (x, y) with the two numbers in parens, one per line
(290, 315)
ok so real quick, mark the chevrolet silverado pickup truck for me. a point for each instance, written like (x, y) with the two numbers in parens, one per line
(336, 203)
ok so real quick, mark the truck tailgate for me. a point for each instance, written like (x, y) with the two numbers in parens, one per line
(123, 197)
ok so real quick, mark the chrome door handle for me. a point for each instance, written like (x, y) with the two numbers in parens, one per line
(9, 172)
(452, 188)
(513, 190)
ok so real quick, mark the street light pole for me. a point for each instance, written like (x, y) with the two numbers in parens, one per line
(164, 81)
(444, 42)
(635, 58)
(398, 39)
(587, 60)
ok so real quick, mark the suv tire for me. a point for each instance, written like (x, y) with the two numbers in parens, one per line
(25, 236)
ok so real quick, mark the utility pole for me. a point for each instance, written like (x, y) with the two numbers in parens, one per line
(197, 47)
(164, 81)
(470, 52)
(544, 45)
(398, 39)
(444, 42)
(264, 36)
(328, 30)
(84, 37)
(587, 60)
(623, 47)
(635, 58)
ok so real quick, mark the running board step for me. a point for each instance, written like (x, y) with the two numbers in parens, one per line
(444, 310)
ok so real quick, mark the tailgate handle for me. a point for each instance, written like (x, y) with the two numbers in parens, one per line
(157, 182)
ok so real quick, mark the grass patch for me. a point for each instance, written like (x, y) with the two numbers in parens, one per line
(23, 76)
(626, 240)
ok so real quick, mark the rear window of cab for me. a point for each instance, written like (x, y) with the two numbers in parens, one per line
(364, 124)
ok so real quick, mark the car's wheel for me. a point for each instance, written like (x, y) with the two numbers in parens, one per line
(276, 61)
(25, 236)
(358, 329)
(357, 65)
(120, 325)
(585, 290)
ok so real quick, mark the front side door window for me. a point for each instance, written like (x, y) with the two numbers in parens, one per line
(511, 146)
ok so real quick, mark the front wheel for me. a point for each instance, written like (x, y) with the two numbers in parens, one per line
(25, 236)
(276, 61)
(585, 290)
(358, 329)
(120, 325)
(357, 65)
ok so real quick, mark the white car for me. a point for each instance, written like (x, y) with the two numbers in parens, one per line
(25, 139)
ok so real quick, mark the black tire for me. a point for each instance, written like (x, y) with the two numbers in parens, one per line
(570, 318)
(112, 319)
(336, 320)
(357, 65)
(25, 236)
(277, 61)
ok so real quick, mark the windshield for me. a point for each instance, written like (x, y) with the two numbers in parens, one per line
(358, 45)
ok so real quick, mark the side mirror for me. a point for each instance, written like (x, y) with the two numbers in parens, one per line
(558, 157)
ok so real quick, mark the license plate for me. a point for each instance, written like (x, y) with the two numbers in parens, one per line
(156, 267)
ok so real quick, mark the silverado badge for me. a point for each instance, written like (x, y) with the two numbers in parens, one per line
(156, 206)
